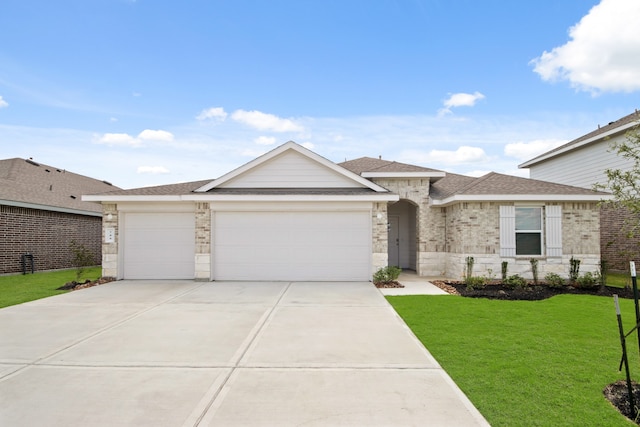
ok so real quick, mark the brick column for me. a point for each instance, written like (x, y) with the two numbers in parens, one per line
(110, 250)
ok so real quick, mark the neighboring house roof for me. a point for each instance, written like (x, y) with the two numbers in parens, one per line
(613, 128)
(496, 187)
(26, 183)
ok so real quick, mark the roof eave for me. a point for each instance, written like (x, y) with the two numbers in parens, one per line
(403, 174)
(208, 197)
(50, 208)
(521, 198)
(570, 147)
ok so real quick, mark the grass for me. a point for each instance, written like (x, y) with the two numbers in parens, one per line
(28, 287)
(618, 280)
(524, 363)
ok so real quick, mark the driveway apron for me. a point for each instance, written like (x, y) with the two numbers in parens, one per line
(183, 353)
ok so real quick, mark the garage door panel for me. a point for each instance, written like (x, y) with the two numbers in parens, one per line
(292, 245)
(159, 245)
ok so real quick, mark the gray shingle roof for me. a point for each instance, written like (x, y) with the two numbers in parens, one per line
(498, 184)
(633, 117)
(369, 164)
(160, 190)
(26, 181)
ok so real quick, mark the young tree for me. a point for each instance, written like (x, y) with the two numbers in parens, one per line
(624, 184)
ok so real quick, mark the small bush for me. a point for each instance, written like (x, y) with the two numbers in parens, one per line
(468, 269)
(588, 281)
(475, 282)
(505, 268)
(555, 281)
(387, 274)
(534, 270)
(82, 258)
(574, 269)
(516, 281)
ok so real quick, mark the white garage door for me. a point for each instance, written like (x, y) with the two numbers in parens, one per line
(159, 246)
(316, 246)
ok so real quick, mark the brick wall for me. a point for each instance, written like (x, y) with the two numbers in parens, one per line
(616, 245)
(46, 235)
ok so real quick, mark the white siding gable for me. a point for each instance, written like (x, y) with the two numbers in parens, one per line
(583, 167)
(291, 170)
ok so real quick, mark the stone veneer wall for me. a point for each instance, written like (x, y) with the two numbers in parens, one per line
(203, 242)
(380, 255)
(473, 229)
(415, 190)
(110, 250)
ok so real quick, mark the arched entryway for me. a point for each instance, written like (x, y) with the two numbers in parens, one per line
(402, 234)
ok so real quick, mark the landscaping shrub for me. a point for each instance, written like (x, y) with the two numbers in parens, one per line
(515, 281)
(588, 281)
(534, 270)
(476, 282)
(555, 281)
(574, 269)
(468, 269)
(82, 258)
(603, 272)
(505, 267)
(387, 274)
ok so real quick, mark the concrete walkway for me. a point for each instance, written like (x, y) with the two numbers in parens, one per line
(181, 353)
(413, 285)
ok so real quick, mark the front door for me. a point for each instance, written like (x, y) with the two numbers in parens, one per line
(394, 241)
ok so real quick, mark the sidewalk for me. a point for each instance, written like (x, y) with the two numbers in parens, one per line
(413, 285)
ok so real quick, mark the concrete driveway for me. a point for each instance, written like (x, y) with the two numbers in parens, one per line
(182, 353)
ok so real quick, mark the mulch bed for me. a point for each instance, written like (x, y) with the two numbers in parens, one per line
(532, 293)
(393, 284)
(615, 393)
(74, 286)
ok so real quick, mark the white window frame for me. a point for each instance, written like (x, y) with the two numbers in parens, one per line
(539, 231)
(551, 233)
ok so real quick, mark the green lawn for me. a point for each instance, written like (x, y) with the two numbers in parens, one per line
(28, 287)
(523, 363)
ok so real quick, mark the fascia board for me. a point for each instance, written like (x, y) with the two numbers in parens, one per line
(403, 174)
(49, 208)
(522, 198)
(572, 147)
(377, 197)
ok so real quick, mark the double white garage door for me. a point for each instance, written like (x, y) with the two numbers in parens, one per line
(276, 245)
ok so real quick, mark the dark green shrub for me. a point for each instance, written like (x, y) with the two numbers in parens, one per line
(476, 282)
(505, 267)
(387, 274)
(468, 269)
(534, 270)
(574, 269)
(603, 272)
(515, 281)
(555, 281)
(588, 281)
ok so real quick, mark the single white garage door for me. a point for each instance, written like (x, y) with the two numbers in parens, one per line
(315, 246)
(159, 245)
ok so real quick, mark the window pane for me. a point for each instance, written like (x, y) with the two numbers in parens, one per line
(528, 218)
(528, 244)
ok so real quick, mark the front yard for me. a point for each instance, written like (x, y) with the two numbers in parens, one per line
(16, 289)
(528, 363)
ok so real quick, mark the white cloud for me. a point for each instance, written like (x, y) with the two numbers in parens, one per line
(265, 140)
(463, 155)
(113, 119)
(155, 135)
(528, 150)
(602, 55)
(3, 103)
(117, 139)
(460, 100)
(265, 122)
(214, 113)
(308, 145)
(154, 170)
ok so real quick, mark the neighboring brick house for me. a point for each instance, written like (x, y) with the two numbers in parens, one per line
(582, 163)
(294, 215)
(41, 213)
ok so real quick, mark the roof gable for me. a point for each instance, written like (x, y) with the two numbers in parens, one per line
(290, 166)
(369, 167)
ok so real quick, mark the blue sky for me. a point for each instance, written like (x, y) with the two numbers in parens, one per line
(142, 92)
